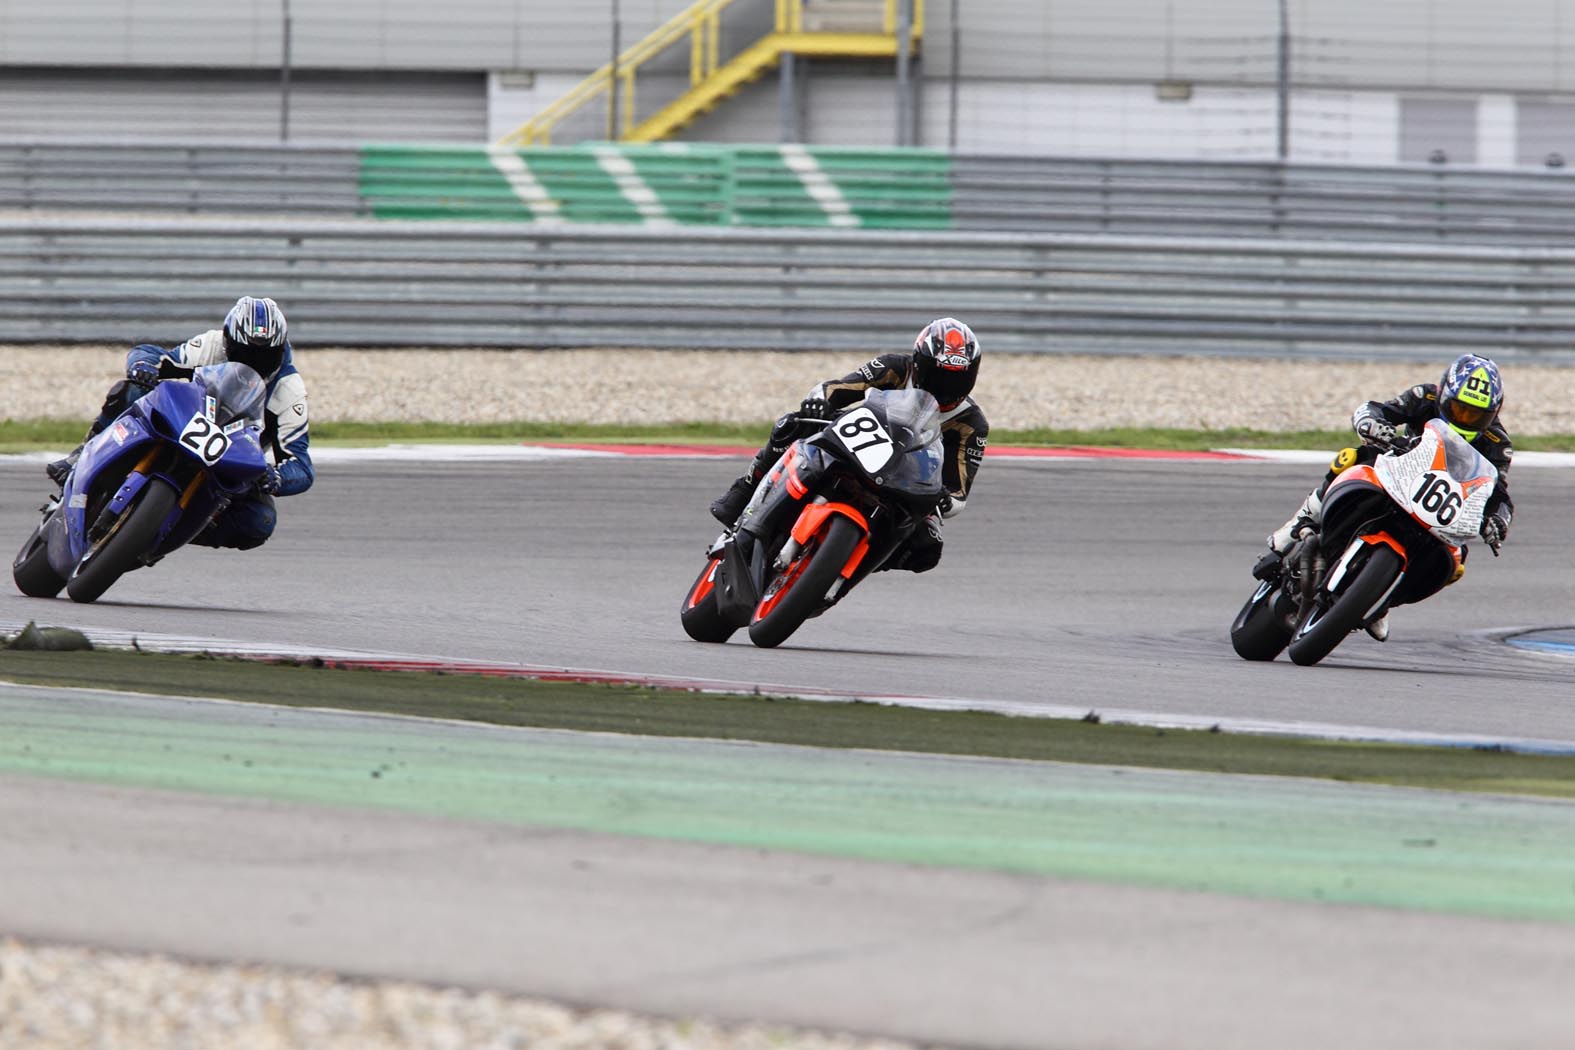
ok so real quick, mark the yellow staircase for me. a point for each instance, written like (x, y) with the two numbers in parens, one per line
(818, 28)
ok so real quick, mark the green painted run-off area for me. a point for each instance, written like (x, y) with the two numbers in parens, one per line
(671, 183)
(1262, 836)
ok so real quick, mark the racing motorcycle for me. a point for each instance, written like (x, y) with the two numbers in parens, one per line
(148, 483)
(1393, 534)
(836, 505)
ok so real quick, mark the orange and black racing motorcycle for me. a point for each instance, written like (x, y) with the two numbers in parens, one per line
(835, 506)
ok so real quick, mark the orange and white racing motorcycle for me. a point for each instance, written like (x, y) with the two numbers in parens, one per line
(1393, 534)
(834, 507)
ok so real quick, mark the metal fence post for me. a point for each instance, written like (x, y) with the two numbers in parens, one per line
(956, 75)
(284, 72)
(612, 80)
(1283, 123)
(904, 70)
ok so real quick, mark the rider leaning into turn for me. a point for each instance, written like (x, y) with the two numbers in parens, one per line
(1468, 398)
(945, 362)
(253, 334)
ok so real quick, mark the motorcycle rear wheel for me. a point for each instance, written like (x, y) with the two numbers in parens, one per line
(802, 586)
(701, 619)
(31, 570)
(1258, 633)
(131, 537)
(1315, 640)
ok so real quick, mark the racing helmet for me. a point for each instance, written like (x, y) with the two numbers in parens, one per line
(1470, 395)
(254, 334)
(946, 360)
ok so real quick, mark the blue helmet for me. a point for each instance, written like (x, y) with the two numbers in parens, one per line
(1470, 395)
(254, 334)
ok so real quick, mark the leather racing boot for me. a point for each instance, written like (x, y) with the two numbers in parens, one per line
(727, 507)
(1307, 517)
(61, 469)
(1379, 628)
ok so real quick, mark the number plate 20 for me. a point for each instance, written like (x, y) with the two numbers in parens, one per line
(205, 437)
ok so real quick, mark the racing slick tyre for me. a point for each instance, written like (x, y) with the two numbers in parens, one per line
(798, 590)
(131, 537)
(699, 614)
(1322, 628)
(31, 570)
(1259, 633)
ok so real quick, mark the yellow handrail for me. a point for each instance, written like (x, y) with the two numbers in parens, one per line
(702, 23)
(702, 19)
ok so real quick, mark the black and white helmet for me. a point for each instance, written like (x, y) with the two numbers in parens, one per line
(255, 334)
(946, 360)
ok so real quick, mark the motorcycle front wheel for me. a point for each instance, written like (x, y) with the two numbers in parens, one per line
(1259, 633)
(701, 619)
(1323, 628)
(31, 570)
(797, 591)
(131, 537)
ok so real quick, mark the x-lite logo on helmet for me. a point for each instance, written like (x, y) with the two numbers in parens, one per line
(951, 343)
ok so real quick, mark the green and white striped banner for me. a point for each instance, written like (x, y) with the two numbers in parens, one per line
(668, 184)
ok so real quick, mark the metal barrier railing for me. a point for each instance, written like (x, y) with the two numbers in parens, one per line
(796, 186)
(496, 284)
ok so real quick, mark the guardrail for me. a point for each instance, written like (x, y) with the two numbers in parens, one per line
(203, 178)
(706, 184)
(495, 284)
(1244, 199)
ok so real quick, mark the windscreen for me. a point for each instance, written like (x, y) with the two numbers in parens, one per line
(239, 391)
(914, 420)
(912, 416)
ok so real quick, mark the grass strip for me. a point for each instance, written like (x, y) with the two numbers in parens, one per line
(650, 712)
(32, 435)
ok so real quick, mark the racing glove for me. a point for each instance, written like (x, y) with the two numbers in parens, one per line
(270, 481)
(1494, 530)
(813, 408)
(1376, 432)
(143, 373)
(783, 431)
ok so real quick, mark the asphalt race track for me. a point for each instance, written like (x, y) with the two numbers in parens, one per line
(1090, 583)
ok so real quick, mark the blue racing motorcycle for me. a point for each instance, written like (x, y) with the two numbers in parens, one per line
(148, 483)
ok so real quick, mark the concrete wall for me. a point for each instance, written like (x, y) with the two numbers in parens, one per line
(1401, 80)
(1507, 46)
(242, 106)
(470, 35)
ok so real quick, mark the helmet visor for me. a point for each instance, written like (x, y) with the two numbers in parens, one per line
(264, 360)
(1466, 417)
(948, 385)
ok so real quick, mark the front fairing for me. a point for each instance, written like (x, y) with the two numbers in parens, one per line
(893, 439)
(1442, 483)
(918, 473)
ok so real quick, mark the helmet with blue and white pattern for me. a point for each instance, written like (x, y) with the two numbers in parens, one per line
(255, 333)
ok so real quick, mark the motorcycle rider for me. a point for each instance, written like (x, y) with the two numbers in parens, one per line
(945, 362)
(254, 333)
(1468, 397)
